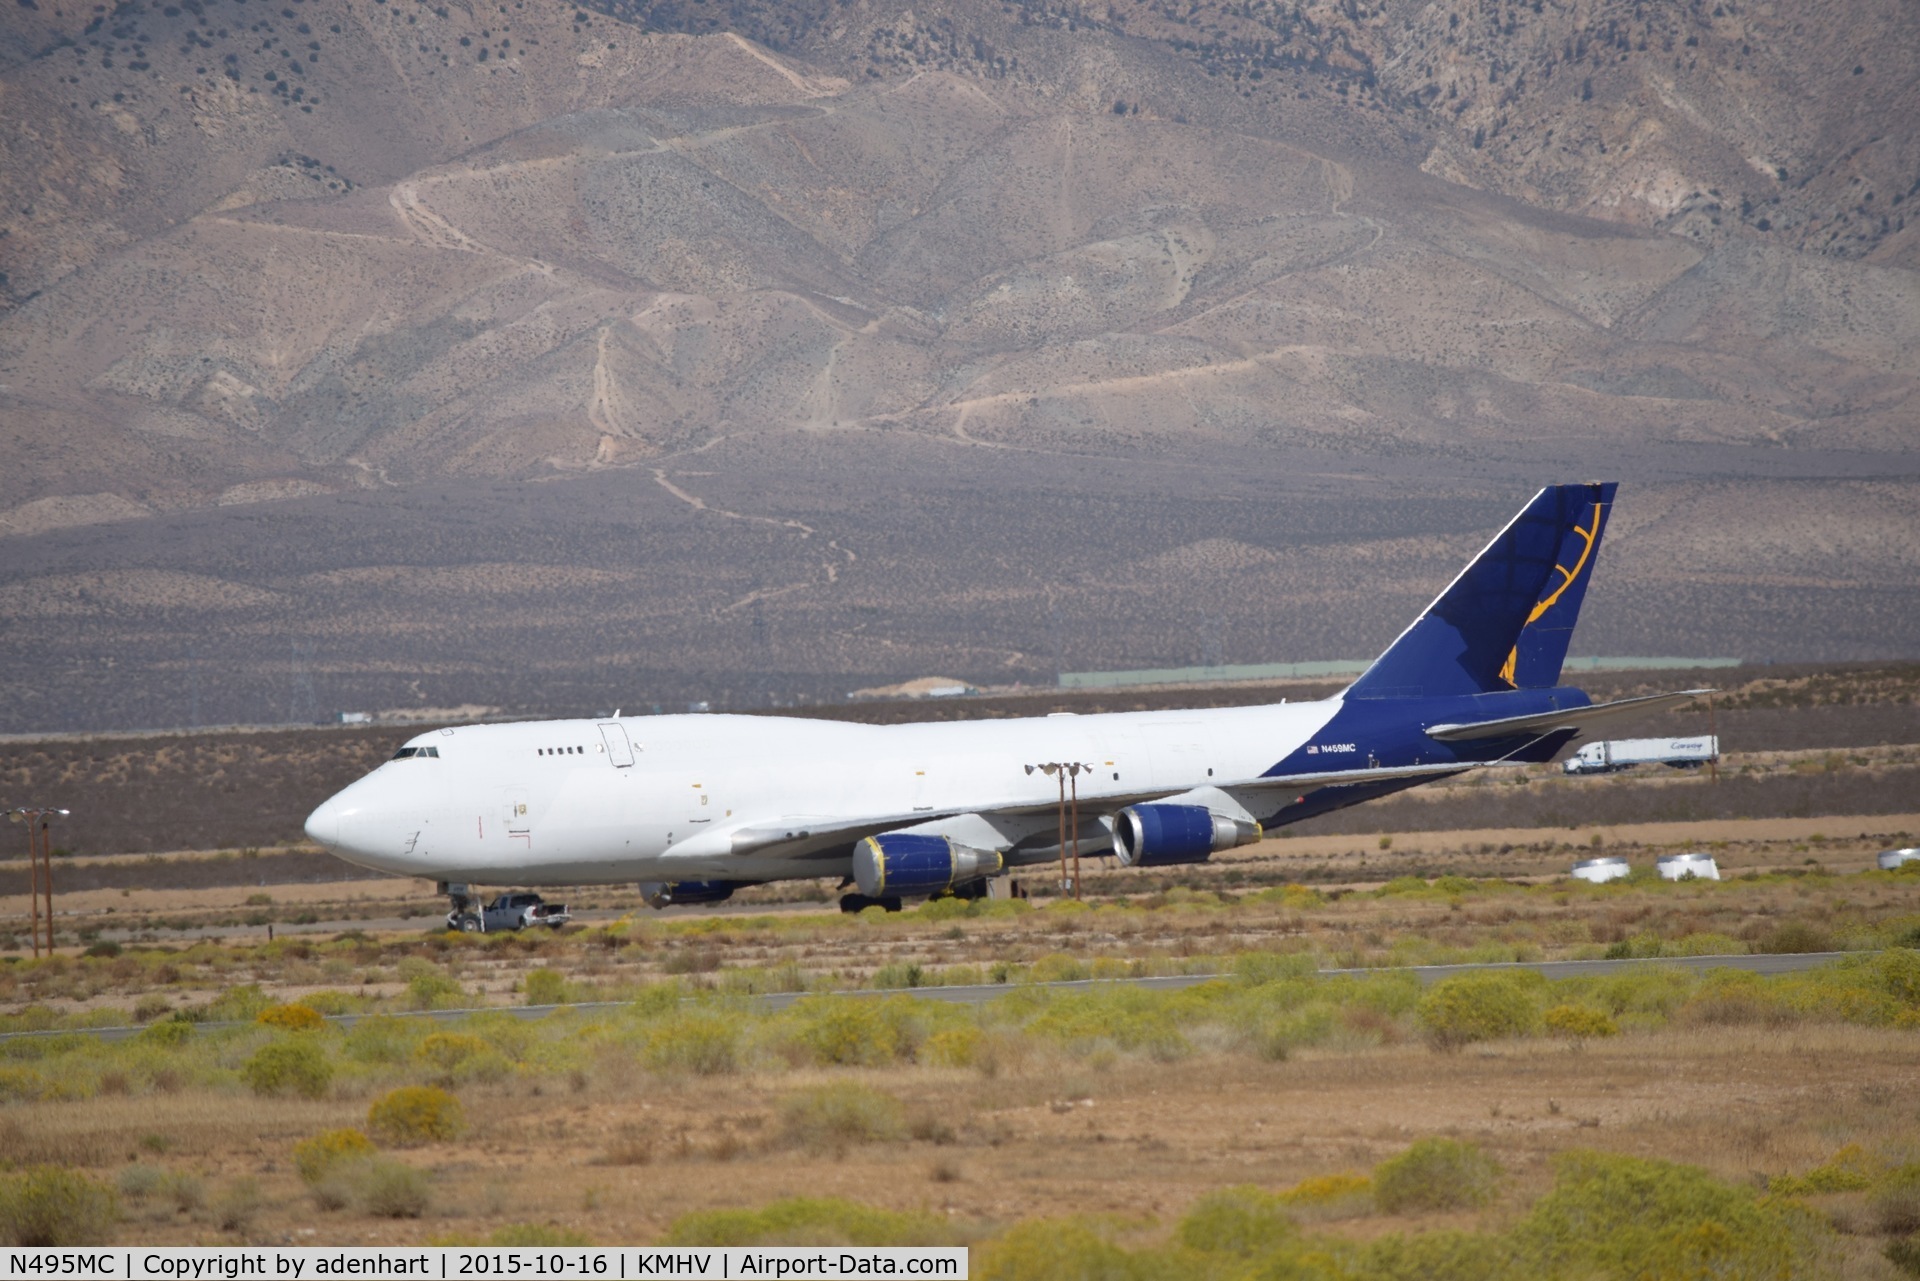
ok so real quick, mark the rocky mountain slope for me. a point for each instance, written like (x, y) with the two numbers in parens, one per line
(781, 269)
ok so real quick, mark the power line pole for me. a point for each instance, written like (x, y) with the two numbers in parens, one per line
(1067, 774)
(39, 865)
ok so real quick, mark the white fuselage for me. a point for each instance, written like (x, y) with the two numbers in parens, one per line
(667, 798)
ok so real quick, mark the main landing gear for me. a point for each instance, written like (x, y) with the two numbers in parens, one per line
(860, 902)
(465, 915)
(975, 889)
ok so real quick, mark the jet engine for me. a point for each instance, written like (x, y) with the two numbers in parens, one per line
(1161, 835)
(913, 864)
(681, 893)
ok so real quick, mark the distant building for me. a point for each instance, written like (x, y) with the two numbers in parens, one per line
(925, 687)
(355, 718)
(1213, 675)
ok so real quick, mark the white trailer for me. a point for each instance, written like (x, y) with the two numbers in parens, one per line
(1624, 753)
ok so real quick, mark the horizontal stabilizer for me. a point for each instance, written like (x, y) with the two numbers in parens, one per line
(1547, 722)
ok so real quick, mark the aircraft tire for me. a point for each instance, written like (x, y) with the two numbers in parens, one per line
(469, 923)
(860, 902)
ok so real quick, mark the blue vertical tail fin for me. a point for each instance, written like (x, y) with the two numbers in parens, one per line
(1504, 623)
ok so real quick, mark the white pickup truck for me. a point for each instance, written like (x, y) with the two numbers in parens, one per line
(510, 912)
(1624, 753)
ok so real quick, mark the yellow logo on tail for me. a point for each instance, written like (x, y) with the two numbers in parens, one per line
(1590, 537)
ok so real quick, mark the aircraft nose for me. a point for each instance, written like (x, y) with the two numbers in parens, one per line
(323, 825)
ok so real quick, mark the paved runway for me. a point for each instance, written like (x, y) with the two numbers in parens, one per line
(976, 994)
(982, 992)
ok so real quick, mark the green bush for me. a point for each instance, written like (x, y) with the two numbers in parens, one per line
(380, 1038)
(1734, 997)
(1057, 967)
(428, 986)
(956, 1046)
(293, 1017)
(313, 1157)
(1479, 1007)
(808, 1221)
(167, 1033)
(448, 1052)
(238, 1004)
(1127, 1018)
(831, 1117)
(1848, 1170)
(1622, 1216)
(416, 1114)
(1796, 936)
(1241, 1221)
(700, 1044)
(138, 1182)
(236, 1206)
(1329, 1196)
(849, 1031)
(185, 1191)
(545, 987)
(1052, 1251)
(53, 1207)
(294, 1066)
(1896, 1202)
(391, 1189)
(375, 1185)
(1578, 1022)
(1436, 1174)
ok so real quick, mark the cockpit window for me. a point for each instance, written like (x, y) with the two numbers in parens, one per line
(406, 752)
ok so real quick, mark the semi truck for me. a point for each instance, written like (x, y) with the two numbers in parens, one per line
(1623, 753)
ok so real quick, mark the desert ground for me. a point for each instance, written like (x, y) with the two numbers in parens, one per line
(658, 1119)
(1105, 1129)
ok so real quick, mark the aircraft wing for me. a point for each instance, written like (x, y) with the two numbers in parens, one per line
(815, 830)
(1335, 777)
(1548, 722)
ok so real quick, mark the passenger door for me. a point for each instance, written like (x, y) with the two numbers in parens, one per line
(619, 747)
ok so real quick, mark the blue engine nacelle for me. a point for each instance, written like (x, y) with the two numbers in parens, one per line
(913, 865)
(681, 893)
(1161, 835)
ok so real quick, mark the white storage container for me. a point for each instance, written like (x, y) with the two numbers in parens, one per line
(1601, 870)
(1678, 867)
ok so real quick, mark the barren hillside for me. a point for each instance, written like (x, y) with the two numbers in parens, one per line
(370, 352)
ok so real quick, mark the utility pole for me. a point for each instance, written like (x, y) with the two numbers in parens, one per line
(1713, 728)
(1073, 783)
(39, 866)
(1067, 774)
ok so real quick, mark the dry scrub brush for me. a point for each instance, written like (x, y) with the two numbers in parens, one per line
(1266, 1007)
(1408, 921)
(1605, 1215)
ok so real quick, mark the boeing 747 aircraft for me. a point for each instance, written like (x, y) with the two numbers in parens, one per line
(694, 807)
